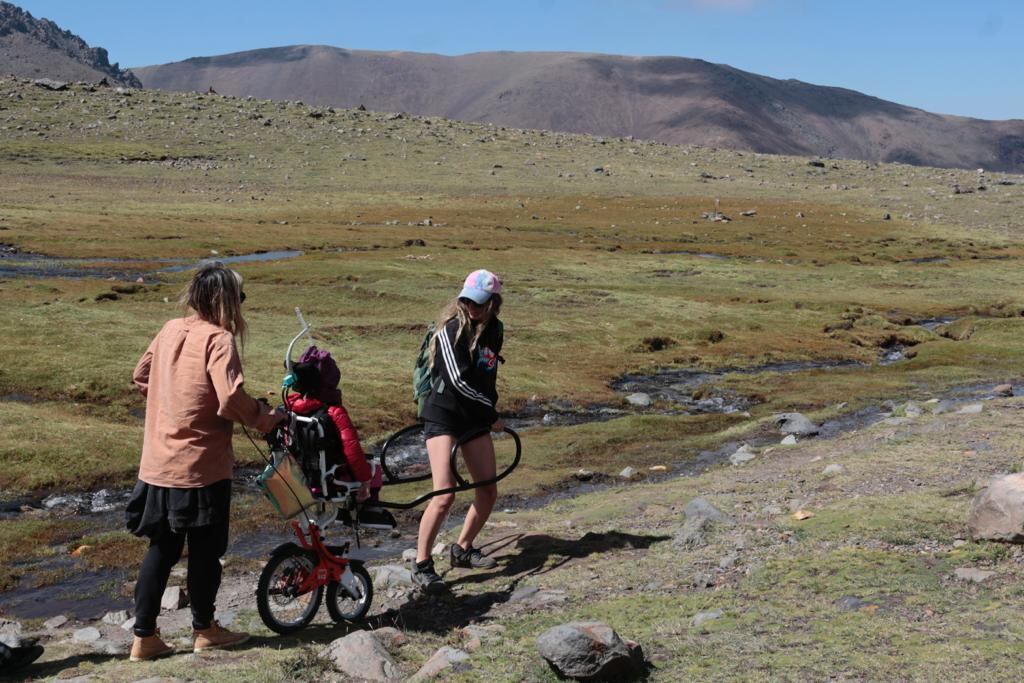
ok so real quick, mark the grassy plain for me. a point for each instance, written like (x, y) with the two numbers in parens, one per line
(606, 255)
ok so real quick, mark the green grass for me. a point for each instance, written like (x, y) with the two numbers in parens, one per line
(595, 267)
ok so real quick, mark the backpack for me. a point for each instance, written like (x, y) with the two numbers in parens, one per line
(311, 438)
(421, 380)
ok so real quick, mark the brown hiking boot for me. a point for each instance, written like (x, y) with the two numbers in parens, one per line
(215, 637)
(149, 647)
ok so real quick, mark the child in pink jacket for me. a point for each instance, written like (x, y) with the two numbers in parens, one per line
(317, 387)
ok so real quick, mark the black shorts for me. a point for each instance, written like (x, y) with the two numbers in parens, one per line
(455, 430)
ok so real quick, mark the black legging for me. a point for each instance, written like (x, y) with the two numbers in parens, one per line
(206, 545)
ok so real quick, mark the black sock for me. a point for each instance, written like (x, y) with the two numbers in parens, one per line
(425, 564)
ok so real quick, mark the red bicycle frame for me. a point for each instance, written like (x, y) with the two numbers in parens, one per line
(329, 567)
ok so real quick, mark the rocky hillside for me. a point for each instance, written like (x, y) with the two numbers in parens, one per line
(38, 48)
(669, 99)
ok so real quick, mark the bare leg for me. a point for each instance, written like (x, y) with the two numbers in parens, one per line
(480, 461)
(439, 450)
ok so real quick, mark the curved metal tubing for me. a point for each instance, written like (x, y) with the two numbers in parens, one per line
(463, 485)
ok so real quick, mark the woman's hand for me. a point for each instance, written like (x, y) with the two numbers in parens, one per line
(364, 492)
(498, 426)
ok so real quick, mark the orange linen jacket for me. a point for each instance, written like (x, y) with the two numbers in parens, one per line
(191, 376)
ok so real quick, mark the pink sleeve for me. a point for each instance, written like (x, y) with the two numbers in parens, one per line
(354, 455)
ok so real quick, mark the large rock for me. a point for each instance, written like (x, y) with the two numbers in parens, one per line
(796, 424)
(390, 575)
(997, 513)
(360, 655)
(589, 651)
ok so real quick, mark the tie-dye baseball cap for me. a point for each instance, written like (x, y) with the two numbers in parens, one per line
(480, 285)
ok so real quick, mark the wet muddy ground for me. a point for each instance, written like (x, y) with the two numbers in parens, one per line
(89, 594)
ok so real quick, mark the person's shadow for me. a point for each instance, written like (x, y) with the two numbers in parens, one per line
(537, 554)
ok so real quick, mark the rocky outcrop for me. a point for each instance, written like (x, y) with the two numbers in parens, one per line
(590, 651)
(39, 48)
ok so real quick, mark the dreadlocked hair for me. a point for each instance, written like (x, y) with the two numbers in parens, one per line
(215, 295)
(457, 309)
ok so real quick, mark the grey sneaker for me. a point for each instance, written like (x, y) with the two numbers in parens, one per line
(424, 576)
(472, 558)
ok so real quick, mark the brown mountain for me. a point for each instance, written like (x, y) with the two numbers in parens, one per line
(38, 48)
(671, 99)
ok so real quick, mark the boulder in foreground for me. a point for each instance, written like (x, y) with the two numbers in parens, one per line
(590, 651)
(997, 513)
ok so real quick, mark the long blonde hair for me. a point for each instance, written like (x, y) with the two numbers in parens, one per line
(457, 309)
(215, 295)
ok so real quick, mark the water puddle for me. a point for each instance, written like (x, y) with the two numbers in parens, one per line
(16, 264)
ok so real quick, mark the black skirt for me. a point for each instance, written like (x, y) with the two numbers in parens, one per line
(152, 510)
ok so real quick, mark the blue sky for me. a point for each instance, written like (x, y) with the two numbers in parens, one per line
(946, 56)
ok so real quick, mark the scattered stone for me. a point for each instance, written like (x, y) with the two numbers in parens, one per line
(943, 406)
(524, 593)
(959, 543)
(116, 618)
(658, 469)
(743, 454)
(409, 555)
(361, 655)
(749, 212)
(801, 515)
(483, 632)
(583, 475)
(701, 618)
(175, 597)
(700, 509)
(630, 474)
(390, 575)
(973, 575)
(442, 660)
(796, 424)
(850, 603)
(589, 651)
(1003, 390)
(911, 409)
(129, 625)
(10, 632)
(788, 441)
(700, 517)
(226, 617)
(55, 622)
(639, 399)
(997, 511)
(971, 409)
(390, 637)
(438, 549)
(50, 84)
(89, 634)
(728, 562)
(833, 470)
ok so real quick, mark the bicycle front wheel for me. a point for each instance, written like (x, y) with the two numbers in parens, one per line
(349, 599)
(282, 608)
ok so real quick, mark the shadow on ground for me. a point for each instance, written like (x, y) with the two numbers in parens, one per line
(520, 556)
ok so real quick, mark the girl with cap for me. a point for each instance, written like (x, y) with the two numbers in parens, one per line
(464, 367)
(191, 377)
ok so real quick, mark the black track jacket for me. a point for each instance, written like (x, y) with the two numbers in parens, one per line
(463, 387)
